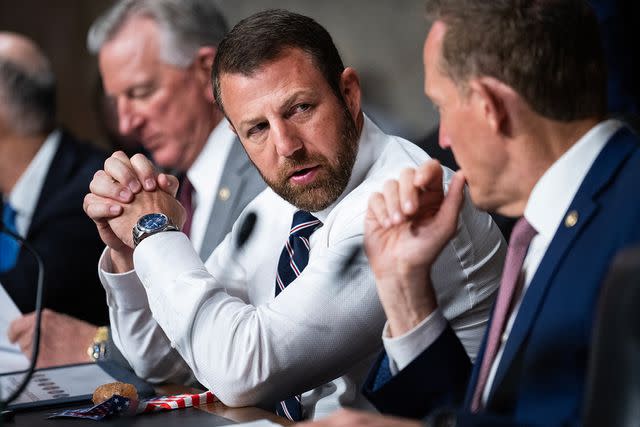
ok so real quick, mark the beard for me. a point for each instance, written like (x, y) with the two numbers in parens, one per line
(332, 177)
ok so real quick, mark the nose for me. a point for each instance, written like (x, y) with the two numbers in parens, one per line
(128, 119)
(286, 139)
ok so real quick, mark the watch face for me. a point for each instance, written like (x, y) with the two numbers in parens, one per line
(152, 222)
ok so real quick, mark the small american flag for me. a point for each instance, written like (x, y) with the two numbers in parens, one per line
(118, 405)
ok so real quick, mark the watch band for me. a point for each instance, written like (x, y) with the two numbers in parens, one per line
(97, 350)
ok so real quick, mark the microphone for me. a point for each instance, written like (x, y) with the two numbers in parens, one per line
(6, 415)
(246, 229)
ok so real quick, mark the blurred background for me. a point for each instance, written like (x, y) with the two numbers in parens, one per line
(382, 40)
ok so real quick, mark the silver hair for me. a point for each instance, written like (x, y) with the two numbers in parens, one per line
(28, 96)
(185, 26)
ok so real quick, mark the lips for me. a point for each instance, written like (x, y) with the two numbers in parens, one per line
(304, 175)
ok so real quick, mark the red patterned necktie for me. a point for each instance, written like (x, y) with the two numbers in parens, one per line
(512, 278)
(185, 197)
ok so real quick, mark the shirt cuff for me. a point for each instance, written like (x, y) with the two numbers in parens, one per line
(404, 349)
(124, 290)
(163, 257)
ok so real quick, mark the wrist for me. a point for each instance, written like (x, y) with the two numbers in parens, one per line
(407, 301)
(97, 349)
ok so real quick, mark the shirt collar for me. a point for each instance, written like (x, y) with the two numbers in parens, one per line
(554, 191)
(25, 194)
(217, 146)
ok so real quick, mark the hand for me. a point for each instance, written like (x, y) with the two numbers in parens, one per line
(114, 188)
(349, 418)
(63, 339)
(406, 228)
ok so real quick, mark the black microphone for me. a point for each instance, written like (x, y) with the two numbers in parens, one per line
(6, 415)
(246, 229)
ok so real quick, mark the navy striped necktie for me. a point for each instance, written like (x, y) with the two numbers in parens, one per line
(293, 259)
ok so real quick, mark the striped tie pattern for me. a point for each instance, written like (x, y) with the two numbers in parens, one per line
(9, 247)
(293, 259)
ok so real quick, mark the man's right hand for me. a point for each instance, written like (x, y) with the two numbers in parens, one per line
(116, 186)
(406, 228)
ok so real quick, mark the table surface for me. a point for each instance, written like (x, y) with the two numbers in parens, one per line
(211, 414)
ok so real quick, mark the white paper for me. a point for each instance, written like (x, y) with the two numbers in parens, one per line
(11, 358)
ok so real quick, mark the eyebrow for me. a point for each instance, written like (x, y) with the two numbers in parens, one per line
(286, 105)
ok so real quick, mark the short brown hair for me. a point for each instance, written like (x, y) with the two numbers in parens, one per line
(549, 51)
(264, 36)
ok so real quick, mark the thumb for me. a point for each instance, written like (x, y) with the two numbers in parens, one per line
(168, 184)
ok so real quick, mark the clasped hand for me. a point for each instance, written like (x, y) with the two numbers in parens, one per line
(123, 192)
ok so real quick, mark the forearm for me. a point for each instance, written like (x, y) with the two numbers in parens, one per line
(312, 333)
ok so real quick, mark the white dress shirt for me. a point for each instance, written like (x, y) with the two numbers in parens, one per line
(26, 192)
(323, 331)
(205, 175)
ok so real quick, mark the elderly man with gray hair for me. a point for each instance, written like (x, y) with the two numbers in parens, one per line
(155, 60)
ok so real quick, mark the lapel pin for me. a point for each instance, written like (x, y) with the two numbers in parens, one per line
(224, 193)
(571, 219)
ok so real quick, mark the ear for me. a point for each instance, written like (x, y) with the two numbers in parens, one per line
(496, 102)
(203, 65)
(350, 89)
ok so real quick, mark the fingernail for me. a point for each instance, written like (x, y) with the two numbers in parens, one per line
(125, 194)
(149, 184)
(134, 186)
(408, 206)
(114, 209)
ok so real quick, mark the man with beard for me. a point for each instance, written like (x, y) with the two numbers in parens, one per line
(290, 319)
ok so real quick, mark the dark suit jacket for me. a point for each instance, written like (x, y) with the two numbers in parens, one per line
(66, 239)
(541, 376)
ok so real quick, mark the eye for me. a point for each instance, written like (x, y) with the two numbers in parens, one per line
(302, 107)
(141, 92)
(260, 127)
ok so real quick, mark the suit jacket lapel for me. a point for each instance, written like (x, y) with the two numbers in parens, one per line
(600, 174)
(59, 171)
(229, 192)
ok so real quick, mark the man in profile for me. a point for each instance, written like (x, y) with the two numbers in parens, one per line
(44, 173)
(523, 110)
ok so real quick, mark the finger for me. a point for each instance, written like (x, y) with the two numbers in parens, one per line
(408, 192)
(392, 200)
(145, 171)
(450, 209)
(20, 326)
(100, 209)
(168, 184)
(377, 210)
(429, 175)
(104, 185)
(122, 171)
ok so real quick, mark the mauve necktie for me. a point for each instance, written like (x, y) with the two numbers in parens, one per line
(511, 281)
(185, 197)
(293, 259)
(9, 247)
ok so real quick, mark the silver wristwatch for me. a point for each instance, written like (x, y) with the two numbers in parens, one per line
(151, 224)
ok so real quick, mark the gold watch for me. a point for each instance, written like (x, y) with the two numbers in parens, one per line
(98, 348)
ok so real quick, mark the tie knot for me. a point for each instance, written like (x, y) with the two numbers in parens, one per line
(522, 234)
(304, 223)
